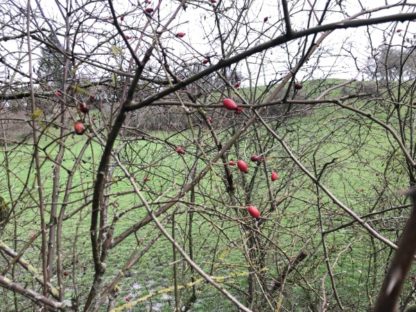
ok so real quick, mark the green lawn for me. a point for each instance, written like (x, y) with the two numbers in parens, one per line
(361, 169)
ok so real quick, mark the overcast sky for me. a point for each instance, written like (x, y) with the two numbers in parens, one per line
(345, 51)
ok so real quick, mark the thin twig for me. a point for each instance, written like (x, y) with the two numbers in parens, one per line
(340, 204)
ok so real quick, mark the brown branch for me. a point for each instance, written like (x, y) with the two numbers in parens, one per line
(400, 265)
(289, 268)
(28, 267)
(387, 127)
(175, 244)
(340, 204)
(134, 258)
(36, 159)
(287, 18)
(186, 188)
(371, 214)
(273, 43)
(32, 295)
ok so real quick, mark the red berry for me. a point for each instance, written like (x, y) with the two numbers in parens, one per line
(230, 104)
(398, 30)
(65, 273)
(92, 97)
(231, 163)
(79, 127)
(298, 86)
(58, 92)
(205, 61)
(213, 1)
(83, 107)
(237, 84)
(242, 165)
(265, 19)
(253, 211)
(275, 176)
(180, 150)
(180, 34)
(146, 179)
(148, 10)
(122, 18)
(257, 158)
(239, 110)
(254, 158)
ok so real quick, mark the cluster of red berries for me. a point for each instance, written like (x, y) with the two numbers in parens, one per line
(243, 167)
(241, 164)
(79, 126)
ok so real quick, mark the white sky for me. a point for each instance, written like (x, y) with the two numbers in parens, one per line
(199, 26)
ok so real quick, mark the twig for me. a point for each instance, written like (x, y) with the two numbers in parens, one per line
(340, 204)
(400, 265)
(186, 257)
(171, 289)
(27, 266)
(289, 268)
(32, 295)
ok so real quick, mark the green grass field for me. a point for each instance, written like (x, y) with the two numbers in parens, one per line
(364, 170)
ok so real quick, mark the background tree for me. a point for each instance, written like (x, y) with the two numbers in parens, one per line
(51, 62)
(393, 63)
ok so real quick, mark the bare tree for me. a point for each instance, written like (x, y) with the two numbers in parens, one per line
(203, 155)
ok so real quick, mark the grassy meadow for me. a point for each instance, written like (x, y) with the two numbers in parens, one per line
(363, 168)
